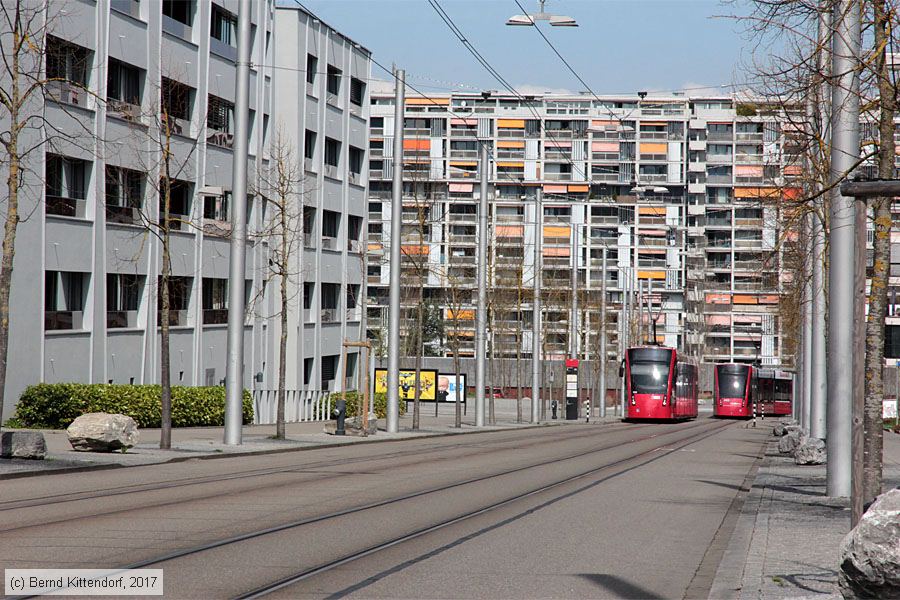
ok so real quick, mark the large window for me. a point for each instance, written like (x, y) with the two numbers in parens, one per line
(357, 91)
(223, 26)
(123, 86)
(180, 193)
(312, 63)
(334, 80)
(176, 104)
(216, 207)
(331, 223)
(356, 160)
(123, 299)
(179, 10)
(332, 152)
(64, 297)
(67, 61)
(179, 293)
(215, 301)
(309, 144)
(124, 195)
(66, 185)
(220, 120)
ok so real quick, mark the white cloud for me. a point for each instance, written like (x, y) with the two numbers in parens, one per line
(537, 90)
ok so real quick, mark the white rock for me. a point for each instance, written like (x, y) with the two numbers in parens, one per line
(810, 452)
(102, 432)
(23, 444)
(788, 443)
(870, 554)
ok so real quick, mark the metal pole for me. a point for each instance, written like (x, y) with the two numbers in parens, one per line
(603, 336)
(842, 251)
(573, 315)
(818, 372)
(234, 368)
(481, 310)
(806, 377)
(393, 374)
(536, 310)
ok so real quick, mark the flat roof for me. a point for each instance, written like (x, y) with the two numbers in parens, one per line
(312, 15)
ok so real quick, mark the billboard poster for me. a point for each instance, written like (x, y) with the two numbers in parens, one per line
(427, 383)
(449, 388)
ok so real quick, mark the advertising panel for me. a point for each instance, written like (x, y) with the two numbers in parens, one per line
(449, 388)
(427, 383)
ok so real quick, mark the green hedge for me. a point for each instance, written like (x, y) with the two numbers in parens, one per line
(379, 400)
(55, 405)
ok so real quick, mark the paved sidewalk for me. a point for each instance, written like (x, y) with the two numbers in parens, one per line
(206, 442)
(786, 541)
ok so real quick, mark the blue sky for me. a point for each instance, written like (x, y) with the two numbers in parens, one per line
(621, 46)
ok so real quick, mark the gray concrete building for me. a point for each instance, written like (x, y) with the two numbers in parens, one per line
(85, 293)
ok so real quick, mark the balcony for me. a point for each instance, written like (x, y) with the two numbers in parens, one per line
(216, 228)
(354, 314)
(720, 136)
(329, 315)
(123, 110)
(354, 246)
(221, 139)
(121, 319)
(175, 126)
(123, 215)
(61, 320)
(558, 176)
(177, 318)
(215, 316)
(65, 207)
(66, 92)
(749, 159)
(719, 159)
(329, 243)
(749, 136)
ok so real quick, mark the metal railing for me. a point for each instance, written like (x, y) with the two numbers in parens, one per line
(299, 406)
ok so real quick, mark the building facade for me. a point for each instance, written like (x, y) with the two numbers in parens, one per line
(140, 98)
(683, 194)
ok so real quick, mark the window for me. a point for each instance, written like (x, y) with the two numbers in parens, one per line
(179, 202)
(331, 223)
(352, 296)
(357, 91)
(354, 226)
(64, 299)
(220, 115)
(329, 368)
(356, 159)
(67, 61)
(215, 301)
(179, 293)
(223, 26)
(123, 296)
(334, 80)
(332, 152)
(123, 85)
(307, 370)
(124, 195)
(66, 185)
(179, 10)
(309, 144)
(216, 207)
(330, 298)
(308, 290)
(309, 225)
(312, 63)
(176, 102)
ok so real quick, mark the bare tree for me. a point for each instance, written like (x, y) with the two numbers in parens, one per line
(34, 67)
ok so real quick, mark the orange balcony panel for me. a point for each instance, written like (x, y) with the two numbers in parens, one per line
(511, 123)
(563, 252)
(461, 315)
(511, 165)
(415, 250)
(374, 247)
(414, 144)
(744, 299)
(550, 188)
(793, 170)
(653, 148)
(651, 274)
(755, 192)
(604, 146)
(427, 101)
(769, 299)
(718, 320)
(510, 230)
(510, 144)
(656, 211)
(556, 231)
(579, 188)
(793, 193)
(718, 299)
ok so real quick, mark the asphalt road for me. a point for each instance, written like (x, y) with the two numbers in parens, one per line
(581, 511)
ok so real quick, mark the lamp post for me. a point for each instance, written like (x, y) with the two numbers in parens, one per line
(529, 20)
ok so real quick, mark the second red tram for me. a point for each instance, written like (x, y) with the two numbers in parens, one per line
(743, 391)
(659, 385)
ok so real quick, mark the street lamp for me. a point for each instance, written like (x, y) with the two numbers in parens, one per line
(529, 19)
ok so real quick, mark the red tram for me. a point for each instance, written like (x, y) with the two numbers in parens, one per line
(659, 385)
(743, 391)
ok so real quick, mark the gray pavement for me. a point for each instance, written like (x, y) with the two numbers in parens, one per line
(206, 442)
(786, 540)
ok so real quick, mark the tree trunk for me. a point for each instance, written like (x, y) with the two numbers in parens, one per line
(282, 358)
(874, 385)
(460, 393)
(416, 386)
(165, 434)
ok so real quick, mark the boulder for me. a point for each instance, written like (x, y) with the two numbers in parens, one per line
(788, 443)
(23, 444)
(810, 452)
(779, 430)
(103, 432)
(870, 554)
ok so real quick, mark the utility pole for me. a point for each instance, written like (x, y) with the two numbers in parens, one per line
(536, 309)
(234, 368)
(842, 250)
(393, 374)
(818, 372)
(573, 315)
(481, 310)
(602, 400)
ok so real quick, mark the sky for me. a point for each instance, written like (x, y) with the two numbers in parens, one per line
(620, 46)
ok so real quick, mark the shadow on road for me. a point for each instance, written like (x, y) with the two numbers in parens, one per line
(618, 586)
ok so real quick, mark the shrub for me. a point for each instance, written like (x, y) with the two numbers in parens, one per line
(379, 401)
(55, 405)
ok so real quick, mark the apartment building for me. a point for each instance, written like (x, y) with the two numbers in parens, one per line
(681, 192)
(85, 293)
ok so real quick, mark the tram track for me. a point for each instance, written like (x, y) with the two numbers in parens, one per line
(653, 454)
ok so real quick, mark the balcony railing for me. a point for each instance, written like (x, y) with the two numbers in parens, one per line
(126, 215)
(120, 319)
(215, 316)
(65, 207)
(329, 315)
(329, 243)
(558, 176)
(55, 320)
(222, 139)
(177, 318)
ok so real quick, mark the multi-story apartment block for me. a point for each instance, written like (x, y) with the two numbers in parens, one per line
(681, 192)
(85, 293)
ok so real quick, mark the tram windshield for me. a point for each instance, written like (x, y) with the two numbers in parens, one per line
(732, 382)
(650, 371)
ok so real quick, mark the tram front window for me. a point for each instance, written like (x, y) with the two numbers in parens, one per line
(649, 377)
(732, 385)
